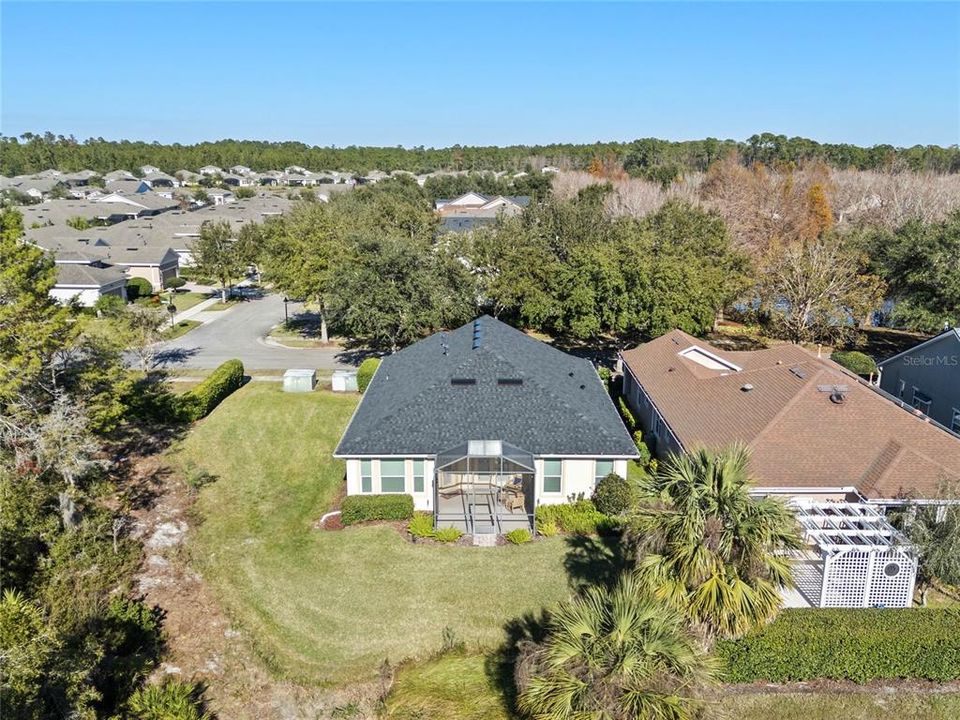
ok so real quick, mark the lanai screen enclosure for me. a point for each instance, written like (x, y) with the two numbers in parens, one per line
(485, 486)
(860, 559)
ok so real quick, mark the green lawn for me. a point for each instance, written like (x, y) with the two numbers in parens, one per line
(465, 687)
(220, 305)
(185, 301)
(330, 606)
(181, 328)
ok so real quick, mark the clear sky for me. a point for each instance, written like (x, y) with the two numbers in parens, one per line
(500, 73)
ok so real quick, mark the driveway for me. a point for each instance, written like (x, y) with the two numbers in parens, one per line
(239, 333)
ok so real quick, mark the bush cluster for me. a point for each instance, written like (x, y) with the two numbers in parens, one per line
(849, 644)
(855, 361)
(138, 287)
(613, 495)
(581, 517)
(518, 536)
(201, 400)
(626, 413)
(365, 373)
(421, 525)
(447, 535)
(360, 508)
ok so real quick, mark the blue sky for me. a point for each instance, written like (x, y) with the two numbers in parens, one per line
(502, 73)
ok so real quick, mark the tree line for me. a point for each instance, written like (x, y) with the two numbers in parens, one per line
(646, 157)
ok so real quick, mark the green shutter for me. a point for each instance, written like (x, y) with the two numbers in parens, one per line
(418, 476)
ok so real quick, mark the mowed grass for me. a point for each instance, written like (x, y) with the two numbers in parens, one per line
(467, 687)
(327, 607)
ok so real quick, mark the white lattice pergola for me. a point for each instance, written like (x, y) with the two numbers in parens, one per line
(866, 561)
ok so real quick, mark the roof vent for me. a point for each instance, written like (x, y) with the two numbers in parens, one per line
(747, 387)
(799, 372)
(463, 381)
(833, 388)
(509, 381)
(477, 333)
(838, 398)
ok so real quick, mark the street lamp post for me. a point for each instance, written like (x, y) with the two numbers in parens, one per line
(286, 314)
(172, 310)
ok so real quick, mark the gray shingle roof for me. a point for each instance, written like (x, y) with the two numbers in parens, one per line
(412, 408)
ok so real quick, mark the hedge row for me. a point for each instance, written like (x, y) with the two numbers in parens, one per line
(856, 644)
(855, 361)
(199, 402)
(359, 508)
(365, 373)
(580, 517)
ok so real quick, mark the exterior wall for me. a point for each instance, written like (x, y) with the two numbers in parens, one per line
(577, 478)
(656, 433)
(421, 501)
(86, 296)
(147, 272)
(934, 370)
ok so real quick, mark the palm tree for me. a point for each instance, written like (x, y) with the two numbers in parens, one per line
(709, 549)
(613, 654)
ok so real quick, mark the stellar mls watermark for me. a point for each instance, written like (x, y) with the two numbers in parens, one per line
(932, 360)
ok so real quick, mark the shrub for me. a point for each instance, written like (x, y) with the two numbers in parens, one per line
(645, 454)
(613, 495)
(175, 282)
(241, 193)
(849, 644)
(365, 373)
(201, 400)
(626, 413)
(447, 535)
(361, 508)
(421, 525)
(580, 517)
(855, 361)
(605, 375)
(174, 700)
(547, 528)
(519, 536)
(138, 287)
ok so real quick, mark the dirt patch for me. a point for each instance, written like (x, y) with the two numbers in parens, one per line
(202, 643)
(874, 687)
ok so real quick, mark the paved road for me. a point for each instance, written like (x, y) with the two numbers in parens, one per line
(239, 333)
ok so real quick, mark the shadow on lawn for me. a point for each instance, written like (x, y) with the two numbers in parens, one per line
(591, 560)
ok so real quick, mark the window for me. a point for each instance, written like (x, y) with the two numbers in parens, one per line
(903, 389)
(955, 422)
(552, 476)
(418, 476)
(602, 468)
(392, 476)
(366, 476)
(921, 401)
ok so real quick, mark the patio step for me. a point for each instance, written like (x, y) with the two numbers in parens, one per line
(484, 540)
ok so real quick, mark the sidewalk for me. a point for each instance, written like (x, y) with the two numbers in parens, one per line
(190, 313)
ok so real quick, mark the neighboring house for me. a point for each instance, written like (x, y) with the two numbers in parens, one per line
(481, 425)
(815, 430)
(219, 196)
(241, 170)
(238, 180)
(149, 170)
(188, 177)
(148, 203)
(271, 177)
(927, 377)
(86, 283)
(127, 186)
(211, 170)
(38, 186)
(115, 175)
(160, 180)
(473, 210)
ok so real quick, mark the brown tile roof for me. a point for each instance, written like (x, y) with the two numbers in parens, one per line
(799, 437)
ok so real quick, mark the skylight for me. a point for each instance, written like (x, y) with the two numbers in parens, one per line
(707, 359)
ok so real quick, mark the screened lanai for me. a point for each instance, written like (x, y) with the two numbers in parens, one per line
(485, 487)
(858, 558)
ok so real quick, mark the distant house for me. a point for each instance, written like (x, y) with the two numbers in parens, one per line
(481, 425)
(219, 196)
(238, 180)
(473, 209)
(160, 179)
(816, 431)
(126, 186)
(240, 170)
(85, 283)
(38, 187)
(271, 177)
(188, 177)
(927, 377)
(211, 170)
(115, 175)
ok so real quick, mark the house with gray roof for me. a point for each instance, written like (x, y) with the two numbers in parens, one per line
(84, 283)
(927, 378)
(481, 425)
